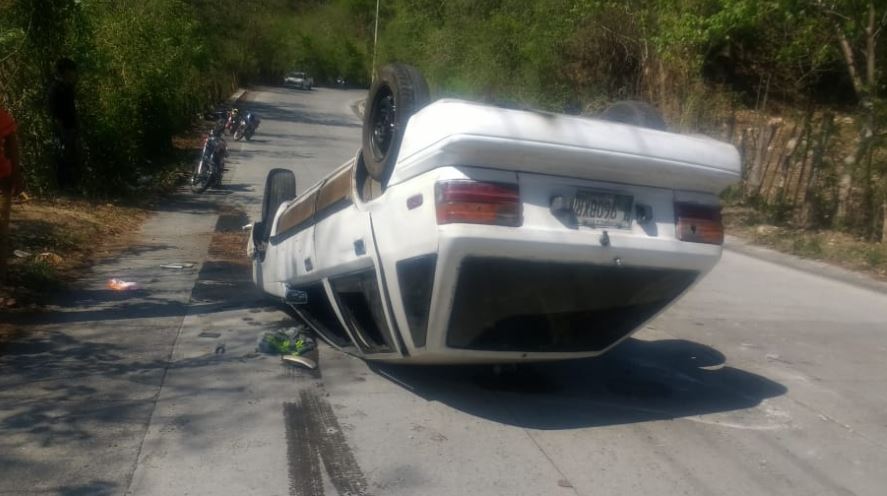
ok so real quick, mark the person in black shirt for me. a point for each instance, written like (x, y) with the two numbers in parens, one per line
(63, 109)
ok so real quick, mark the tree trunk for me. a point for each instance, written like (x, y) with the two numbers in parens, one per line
(5, 210)
(870, 127)
(884, 222)
(822, 142)
(865, 86)
(845, 185)
(806, 135)
(756, 172)
(849, 60)
(766, 158)
(868, 197)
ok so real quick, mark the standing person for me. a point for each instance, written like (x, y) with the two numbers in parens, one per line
(10, 182)
(63, 109)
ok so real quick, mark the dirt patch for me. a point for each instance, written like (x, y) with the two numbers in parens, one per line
(226, 272)
(55, 240)
(229, 239)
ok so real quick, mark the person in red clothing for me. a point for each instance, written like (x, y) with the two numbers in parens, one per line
(10, 181)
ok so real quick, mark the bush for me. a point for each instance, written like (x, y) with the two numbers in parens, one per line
(146, 68)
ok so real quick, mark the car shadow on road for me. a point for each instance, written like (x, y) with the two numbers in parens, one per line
(638, 381)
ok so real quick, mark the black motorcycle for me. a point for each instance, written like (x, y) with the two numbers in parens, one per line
(247, 127)
(208, 170)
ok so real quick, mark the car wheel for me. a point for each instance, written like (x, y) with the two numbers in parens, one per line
(280, 186)
(634, 113)
(398, 92)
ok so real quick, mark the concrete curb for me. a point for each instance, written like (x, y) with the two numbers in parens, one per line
(817, 267)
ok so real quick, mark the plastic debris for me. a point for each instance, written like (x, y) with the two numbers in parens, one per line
(177, 266)
(21, 254)
(121, 285)
(301, 361)
(293, 341)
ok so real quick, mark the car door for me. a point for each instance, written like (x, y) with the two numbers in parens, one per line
(347, 257)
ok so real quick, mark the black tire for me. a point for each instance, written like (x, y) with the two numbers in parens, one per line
(398, 92)
(280, 186)
(201, 176)
(636, 114)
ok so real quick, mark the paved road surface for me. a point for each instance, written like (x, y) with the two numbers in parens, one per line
(764, 380)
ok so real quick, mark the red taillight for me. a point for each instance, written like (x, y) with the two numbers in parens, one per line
(699, 223)
(473, 202)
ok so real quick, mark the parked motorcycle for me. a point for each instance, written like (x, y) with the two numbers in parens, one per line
(247, 127)
(208, 170)
(233, 121)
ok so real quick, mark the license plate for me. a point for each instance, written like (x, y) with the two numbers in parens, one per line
(603, 209)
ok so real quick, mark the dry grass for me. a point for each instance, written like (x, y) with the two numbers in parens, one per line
(230, 247)
(830, 246)
(59, 239)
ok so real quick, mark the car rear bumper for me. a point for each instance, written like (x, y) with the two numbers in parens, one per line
(548, 299)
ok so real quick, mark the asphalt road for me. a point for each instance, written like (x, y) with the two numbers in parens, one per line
(763, 380)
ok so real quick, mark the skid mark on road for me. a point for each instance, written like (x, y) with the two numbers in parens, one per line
(302, 454)
(313, 434)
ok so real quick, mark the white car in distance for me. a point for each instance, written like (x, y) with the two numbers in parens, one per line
(299, 80)
(468, 233)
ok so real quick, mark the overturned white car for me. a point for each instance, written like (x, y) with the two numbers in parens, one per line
(470, 233)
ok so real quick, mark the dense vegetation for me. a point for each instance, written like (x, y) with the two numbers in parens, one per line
(147, 67)
(798, 85)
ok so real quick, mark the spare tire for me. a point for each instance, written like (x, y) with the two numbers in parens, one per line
(398, 92)
(634, 113)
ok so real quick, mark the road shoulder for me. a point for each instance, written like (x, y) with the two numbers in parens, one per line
(823, 269)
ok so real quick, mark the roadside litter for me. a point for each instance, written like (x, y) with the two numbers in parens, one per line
(293, 344)
(121, 285)
(177, 266)
(301, 361)
(49, 258)
(21, 254)
(292, 341)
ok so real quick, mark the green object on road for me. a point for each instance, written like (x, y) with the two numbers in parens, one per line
(295, 341)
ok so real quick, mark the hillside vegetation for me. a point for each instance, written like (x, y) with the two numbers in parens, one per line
(147, 67)
(797, 85)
